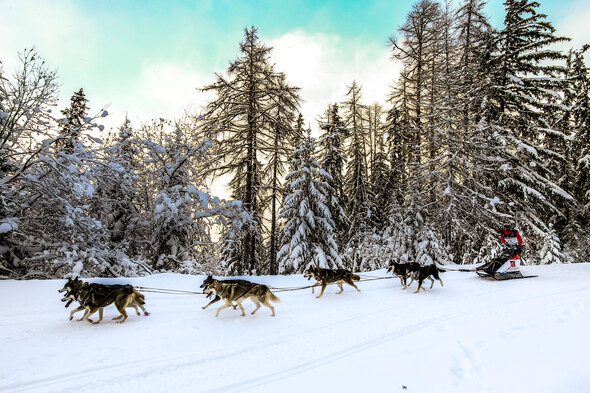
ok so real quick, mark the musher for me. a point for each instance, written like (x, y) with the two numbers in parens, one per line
(512, 247)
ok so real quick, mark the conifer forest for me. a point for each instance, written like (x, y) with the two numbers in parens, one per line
(484, 126)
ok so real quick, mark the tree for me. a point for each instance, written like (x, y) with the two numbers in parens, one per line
(332, 161)
(286, 104)
(356, 185)
(75, 117)
(521, 106)
(308, 236)
(241, 120)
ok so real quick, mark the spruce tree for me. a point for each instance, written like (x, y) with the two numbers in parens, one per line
(75, 117)
(521, 109)
(332, 161)
(308, 236)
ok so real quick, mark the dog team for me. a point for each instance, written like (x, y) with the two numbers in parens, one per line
(94, 297)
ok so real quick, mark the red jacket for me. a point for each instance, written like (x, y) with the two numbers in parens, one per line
(511, 237)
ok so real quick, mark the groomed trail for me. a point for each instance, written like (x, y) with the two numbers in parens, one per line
(472, 335)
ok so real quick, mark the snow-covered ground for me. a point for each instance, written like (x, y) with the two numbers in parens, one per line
(471, 335)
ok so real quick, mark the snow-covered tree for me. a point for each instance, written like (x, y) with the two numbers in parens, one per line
(551, 249)
(332, 158)
(523, 99)
(74, 118)
(308, 236)
(356, 180)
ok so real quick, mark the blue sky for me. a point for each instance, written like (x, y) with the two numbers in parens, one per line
(148, 57)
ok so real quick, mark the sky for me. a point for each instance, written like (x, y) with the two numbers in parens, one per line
(147, 59)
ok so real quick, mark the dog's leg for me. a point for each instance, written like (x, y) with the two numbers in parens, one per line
(256, 302)
(226, 305)
(100, 312)
(441, 283)
(352, 284)
(267, 304)
(239, 303)
(431, 282)
(75, 311)
(419, 286)
(341, 288)
(404, 282)
(86, 311)
(90, 312)
(324, 285)
(217, 298)
(122, 311)
(134, 305)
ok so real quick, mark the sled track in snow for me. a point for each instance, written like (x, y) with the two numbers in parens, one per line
(350, 351)
(96, 377)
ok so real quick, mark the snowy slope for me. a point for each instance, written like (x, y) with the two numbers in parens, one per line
(471, 335)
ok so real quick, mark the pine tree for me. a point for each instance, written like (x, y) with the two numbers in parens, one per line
(580, 119)
(520, 109)
(332, 161)
(75, 117)
(308, 236)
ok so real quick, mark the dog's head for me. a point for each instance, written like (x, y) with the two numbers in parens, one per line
(71, 288)
(210, 289)
(397, 268)
(207, 281)
(209, 286)
(312, 272)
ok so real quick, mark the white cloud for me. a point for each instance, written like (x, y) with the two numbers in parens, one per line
(323, 65)
(575, 25)
(165, 90)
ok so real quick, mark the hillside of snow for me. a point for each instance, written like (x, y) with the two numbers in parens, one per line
(472, 335)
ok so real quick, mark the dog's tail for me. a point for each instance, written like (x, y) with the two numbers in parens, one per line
(272, 297)
(440, 268)
(355, 277)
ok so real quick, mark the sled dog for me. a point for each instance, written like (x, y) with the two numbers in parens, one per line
(331, 276)
(421, 273)
(238, 292)
(402, 270)
(209, 280)
(95, 297)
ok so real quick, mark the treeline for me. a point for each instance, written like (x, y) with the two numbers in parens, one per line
(483, 126)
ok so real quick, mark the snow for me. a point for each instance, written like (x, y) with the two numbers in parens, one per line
(471, 335)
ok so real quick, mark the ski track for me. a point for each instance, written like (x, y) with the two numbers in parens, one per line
(125, 371)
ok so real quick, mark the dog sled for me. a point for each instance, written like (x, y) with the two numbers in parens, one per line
(504, 267)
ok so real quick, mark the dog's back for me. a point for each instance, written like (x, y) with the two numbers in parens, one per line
(330, 276)
(423, 272)
(241, 290)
